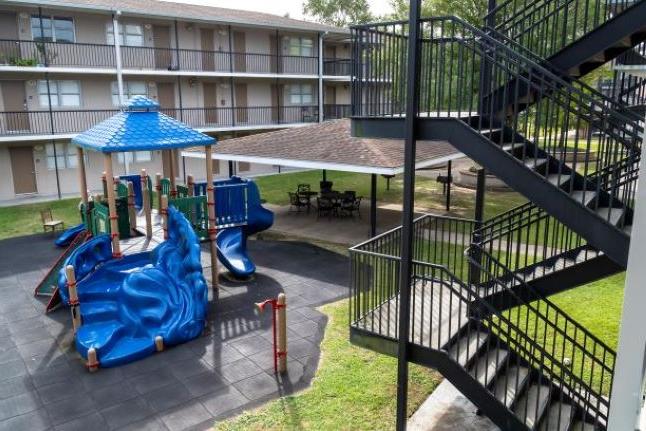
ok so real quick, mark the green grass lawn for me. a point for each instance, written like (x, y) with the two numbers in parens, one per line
(25, 219)
(354, 389)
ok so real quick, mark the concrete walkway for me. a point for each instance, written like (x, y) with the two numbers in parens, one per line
(446, 409)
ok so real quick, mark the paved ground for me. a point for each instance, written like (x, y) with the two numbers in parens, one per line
(43, 384)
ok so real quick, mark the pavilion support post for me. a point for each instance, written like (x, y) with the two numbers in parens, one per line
(83, 184)
(230, 168)
(164, 214)
(158, 188)
(112, 206)
(449, 179)
(212, 229)
(407, 236)
(132, 213)
(146, 203)
(373, 205)
(190, 184)
(324, 173)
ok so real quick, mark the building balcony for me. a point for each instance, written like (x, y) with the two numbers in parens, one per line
(98, 57)
(337, 67)
(28, 125)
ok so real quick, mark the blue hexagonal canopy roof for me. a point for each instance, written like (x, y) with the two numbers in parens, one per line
(140, 127)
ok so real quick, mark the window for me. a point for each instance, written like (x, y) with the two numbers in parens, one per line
(129, 34)
(302, 46)
(130, 89)
(65, 156)
(135, 156)
(63, 94)
(300, 94)
(54, 29)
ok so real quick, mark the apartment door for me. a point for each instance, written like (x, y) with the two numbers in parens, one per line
(15, 104)
(210, 102)
(241, 103)
(8, 33)
(161, 41)
(166, 98)
(273, 51)
(239, 47)
(23, 169)
(329, 54)
(329, 97)
(208, 49)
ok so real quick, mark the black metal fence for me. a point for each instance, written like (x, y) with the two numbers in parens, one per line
(546, 26)
(74, 121)
(470, 75)
(443, 306)
(90, 55)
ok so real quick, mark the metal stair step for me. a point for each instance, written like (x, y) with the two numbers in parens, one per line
(612, 215)
(510, 385)
(467, 346)
(534, 162)
(531, 406)
(558, 179)
(584, 197)
(583, 426)
(558, 417)
(488, 365)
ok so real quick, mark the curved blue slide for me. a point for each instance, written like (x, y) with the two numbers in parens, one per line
(68, 236)
(125, 303)
(232, 242)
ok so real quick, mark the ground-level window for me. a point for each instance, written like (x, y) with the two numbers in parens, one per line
(130, 89)
(64, 94)
(52, 29)
(243, 166)
(65, 156)
(302, 46)
(301, 94)
(129, 34)
(135, 156)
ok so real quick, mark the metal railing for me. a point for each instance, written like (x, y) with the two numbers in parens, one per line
(546, 26)
(337, 66)
(20, 123)
(469, 75)
(92, 55)
(446, 306)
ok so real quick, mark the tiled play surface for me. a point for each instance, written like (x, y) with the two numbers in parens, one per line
(43, 384)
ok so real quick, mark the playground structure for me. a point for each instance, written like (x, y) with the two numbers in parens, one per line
(133, 279)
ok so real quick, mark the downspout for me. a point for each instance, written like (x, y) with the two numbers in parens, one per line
(117, 55)
(320, 100)
(49, 103)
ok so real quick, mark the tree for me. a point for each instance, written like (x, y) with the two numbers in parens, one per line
(472, 11)
(339, 13)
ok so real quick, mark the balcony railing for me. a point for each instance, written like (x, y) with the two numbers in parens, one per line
(89, 55)
(74, 121)
(337, 66)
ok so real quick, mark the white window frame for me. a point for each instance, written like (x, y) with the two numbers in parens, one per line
(298, 43)
(55, 92)
(127, 93)
(296, 90)
(66, 153)
(123, 34)
(135, 157)
(52, 19)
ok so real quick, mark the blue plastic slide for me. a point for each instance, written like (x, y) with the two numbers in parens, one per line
(68, 236)
(232, 241)
(125, 303)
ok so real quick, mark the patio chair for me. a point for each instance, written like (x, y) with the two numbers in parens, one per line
(296, 202)
(303, 188)
(350, 204)
(324, 207)
(48, 221)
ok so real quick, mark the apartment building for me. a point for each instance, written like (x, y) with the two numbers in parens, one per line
(225, 72)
